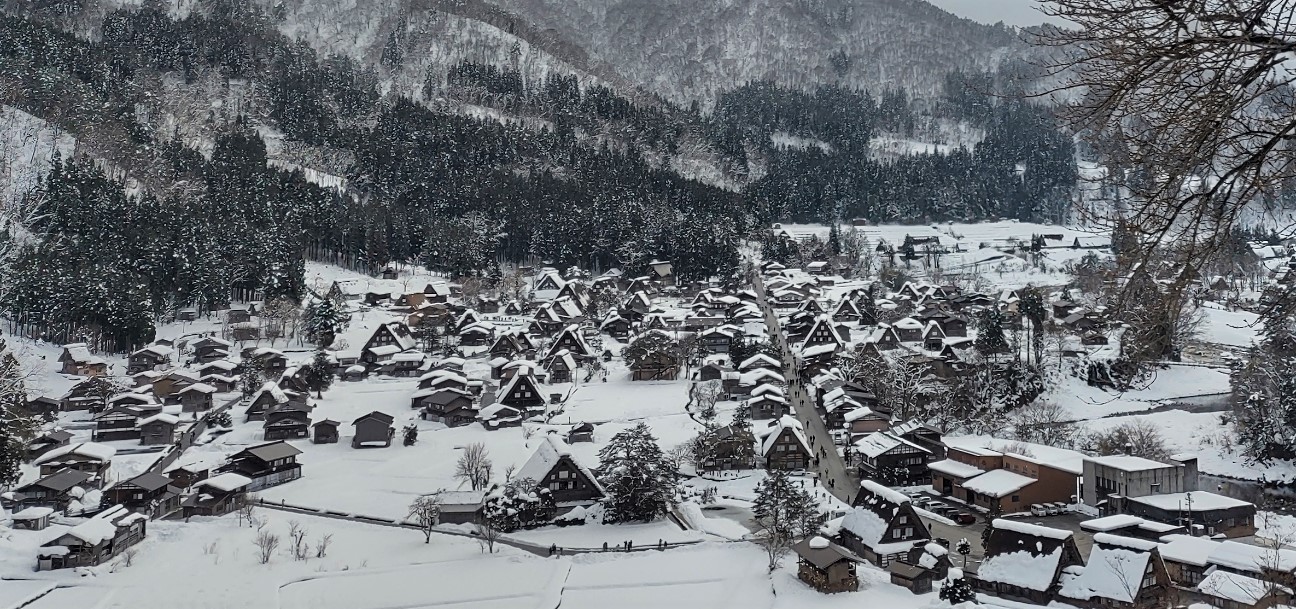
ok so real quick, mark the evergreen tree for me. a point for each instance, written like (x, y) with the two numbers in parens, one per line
(834, 239)
(955, 591)
(16, 427)
(635, 474)
(323, 320)
(252, 378)
(319, 373)
(1264, 395)
(409, 435)
(990, 332)
(785, 513)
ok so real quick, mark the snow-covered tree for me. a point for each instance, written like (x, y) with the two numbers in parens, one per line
(957, 591)
(1264, 395)
(634, 473)
(318, 373)
(474, 466)
(323, 320)
(517, 504)
(785, 514)
(409, 435)
(425, 512)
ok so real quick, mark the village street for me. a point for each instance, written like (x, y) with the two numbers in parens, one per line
(829, 465)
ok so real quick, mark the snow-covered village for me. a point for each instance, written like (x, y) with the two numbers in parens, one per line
(324, 304)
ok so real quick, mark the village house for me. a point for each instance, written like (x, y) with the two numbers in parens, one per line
(1005, 481)
(1122, 572)
(1025, 562)
(89, 457)
(615, 326)
(767, 406)
(210, 349)
(453, 407)
(90, 394)
(893, 459)
(158, 429)
(167, 386)
(783, 444)
(271, 362)
(217, 495)
(387, 340)
(31, 519)
(373, 430)
(150, 493)
(94, 541)
(560, 366)
(826, 566)
(512, 344)
(553, 467)
(197, 397)
(655, 366)
(883, 526)
(461, 507)
(116, 423)
(266, 465)
(728, 448)
(325, 432)
(286, 424)
(76, 359)
(520, 390)
(1201, 511)
(52, 491)
(189, 469)
(1109, 480)
(151, 357)
(46, 442)
(271, 397)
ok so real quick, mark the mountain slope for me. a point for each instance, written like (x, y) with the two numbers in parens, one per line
(686, 50)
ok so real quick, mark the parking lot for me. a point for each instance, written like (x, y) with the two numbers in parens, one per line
(972, 532)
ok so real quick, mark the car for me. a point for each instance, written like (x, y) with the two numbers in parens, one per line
(933, 506)
(1038, 510)
(1061, 507)
(1052, 509)
(797, 472)
(965, 518)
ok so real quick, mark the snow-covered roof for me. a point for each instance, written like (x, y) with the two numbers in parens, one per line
(1034, 530)
(1114, 573)
(759, 375)
(1111, 523)
(226, 482)
(1237, 588)
(1246, 557)
(908, 323)
(161, 418)
(770, 434)
(883, 492)
(757, 360)
(817, 350)
(998, 483)
(547, 454)
(1187, 549)
(80, 353)
(1022, 568)
(91, 450)
(1197, 501)
(385, 350)
(954, 468)
(199, 388)
(866, 525)
(1128, 463)
(879, 442)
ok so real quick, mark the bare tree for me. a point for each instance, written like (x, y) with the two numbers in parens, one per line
(1191, 104)
(703, 396)
(1138, 438)
(488, 532)
(247, 511)
(1045, 422)
(425, 512)
(266, 543)
(297, 537)
(322, 545)
(474, 466)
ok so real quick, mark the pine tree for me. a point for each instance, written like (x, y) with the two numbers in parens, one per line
(323, 321)
(957, 591)
(409, 435)
(319, 373)
(990, 332)
(635, 475)
(1264, 395)
(834, 239)
(252, 378)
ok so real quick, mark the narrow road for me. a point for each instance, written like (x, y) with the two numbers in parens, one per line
(830, 466)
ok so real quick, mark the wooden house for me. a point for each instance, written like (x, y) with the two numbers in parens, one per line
(500, 416)
(325, 432)
(151, 357)
(373, 430)
(150, 493)
(655, 366)
(521, 390)
(286, 424)
(728, 448)
(272, 362)
(883, 527)
(891, 458)
(826, 566)
(31, 519)
(94, 541)
(387, 340)
(210, 349)
(197, 397)
(560, 366)
(1026, 562)
(783, 444)
(553, 467)
(217, 495)
(572, 340)
(1122, 572)
(453, 407)
(767, 406)
(271, 397)
(583, 432)
(512, 344)
(266, 465)
(52, 491)
(46, 442)
(615, 326)
(76, 359)
(89, 457)
(158, 429)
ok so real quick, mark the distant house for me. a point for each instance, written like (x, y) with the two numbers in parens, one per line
(583, 432)
(898, 456)
(76, 359)
(150, 493)
(883, 526)
(521, 391)
(266, 465)
(1124, 573)
(553, 467)
(783, 444)
(325, 432)
(53, 491)
(210, 349)
(573, 340)
(272, 362)
(89, 457)
(387, 340)
(767, 406)
(1026, 562)
(655, 366)
(373, 430)
(46, 442)
(560, 366)
(271, 397)
(615, 326)
(512, 344)
(826, 566)
(151, 357)
(158, 429)
(461, 507)
(286, 424)
(729, 447)
(718, 340)
(453, 407)
(94, 541)
(217, 495)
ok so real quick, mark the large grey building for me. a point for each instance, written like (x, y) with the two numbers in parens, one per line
(1109, 480)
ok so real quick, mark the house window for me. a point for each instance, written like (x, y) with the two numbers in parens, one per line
(564, 474)
(137, 495)
(553, 486)
(1149, 580)
(1016, 498)
(904, 520)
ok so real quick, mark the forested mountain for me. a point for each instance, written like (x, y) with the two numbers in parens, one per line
(687, 50)
(215, 150)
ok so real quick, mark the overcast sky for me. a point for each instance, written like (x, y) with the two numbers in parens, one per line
(1011, 12)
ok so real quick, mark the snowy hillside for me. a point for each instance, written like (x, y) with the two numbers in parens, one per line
(27, 144)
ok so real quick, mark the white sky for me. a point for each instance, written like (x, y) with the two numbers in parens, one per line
(1011, 12)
